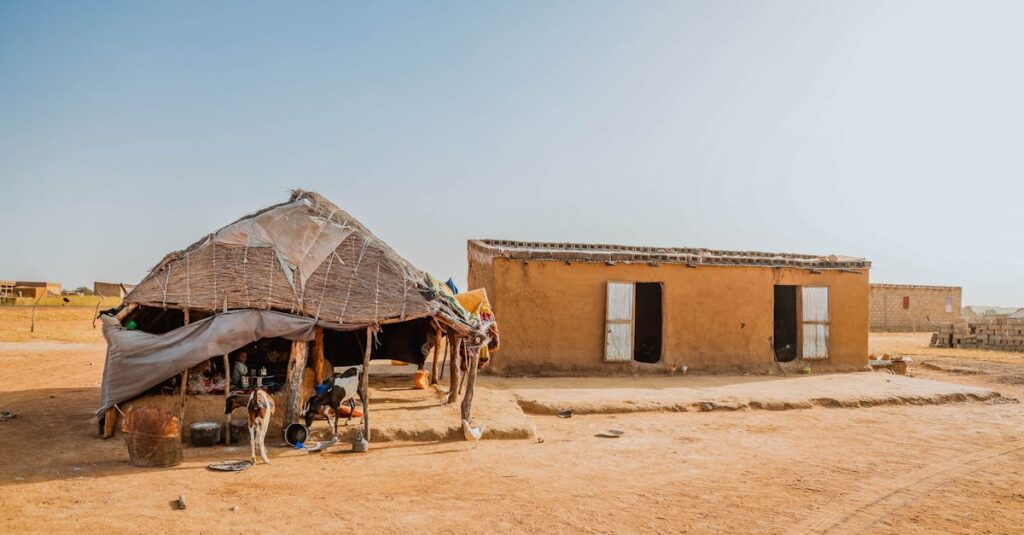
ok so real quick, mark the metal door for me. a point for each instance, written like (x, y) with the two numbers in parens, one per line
(618, 338)
(815, 322)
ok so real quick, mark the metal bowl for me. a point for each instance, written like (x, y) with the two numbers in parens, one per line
(295, 434)
(205, 434)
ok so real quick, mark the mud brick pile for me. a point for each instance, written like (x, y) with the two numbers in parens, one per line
(1002, 334)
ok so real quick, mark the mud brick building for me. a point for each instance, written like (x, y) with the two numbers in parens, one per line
(11, 288)
(588, 309)
(111, 289)
(913, 308)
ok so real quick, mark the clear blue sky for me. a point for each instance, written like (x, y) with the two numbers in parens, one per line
(890, 130)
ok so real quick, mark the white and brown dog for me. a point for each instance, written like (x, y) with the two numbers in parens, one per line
(260, 407)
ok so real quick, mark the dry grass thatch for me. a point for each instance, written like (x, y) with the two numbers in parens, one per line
(364, 282)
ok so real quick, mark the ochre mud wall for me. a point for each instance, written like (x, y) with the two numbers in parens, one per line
(716, 319)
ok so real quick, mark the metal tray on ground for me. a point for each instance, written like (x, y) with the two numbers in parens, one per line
(320, 446)
(230, 466)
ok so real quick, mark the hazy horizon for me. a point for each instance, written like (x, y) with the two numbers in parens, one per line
(884, 130)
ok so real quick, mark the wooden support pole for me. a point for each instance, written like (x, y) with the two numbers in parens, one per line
(227, 394)
(435, 366)
(293, 388)
(318, 356)
(184, 386)
(467, 402)
(132, 306)
(181, 409)
(453, 367)
(109, 423)
(33, 328)
(96, 313)
(364, 384)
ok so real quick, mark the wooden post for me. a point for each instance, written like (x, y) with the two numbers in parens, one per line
(318, 356)
(467, 402)
(293, 388)
(33, 328)
(109, 423)
(227, 394)
(181, 409)
(364, 386)
(435, 366)
(453, 367)
(96, 313)
(132, 306)
(184, 386)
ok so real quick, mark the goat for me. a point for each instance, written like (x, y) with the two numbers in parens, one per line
(341, 390)
(260, 407)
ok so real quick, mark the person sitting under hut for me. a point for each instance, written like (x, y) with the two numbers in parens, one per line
(203, 379)
(240, 369)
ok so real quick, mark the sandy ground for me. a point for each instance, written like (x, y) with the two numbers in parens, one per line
(52, 324)
(886, 469)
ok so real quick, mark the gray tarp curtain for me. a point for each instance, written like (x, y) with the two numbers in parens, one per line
(138, 361)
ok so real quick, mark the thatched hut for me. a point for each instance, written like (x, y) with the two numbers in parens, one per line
(298, 278)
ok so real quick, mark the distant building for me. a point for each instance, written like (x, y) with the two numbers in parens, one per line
(9, 288)
(913, 308)
(111, 289)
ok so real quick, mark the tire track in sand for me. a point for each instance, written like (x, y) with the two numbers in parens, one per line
(857, 511)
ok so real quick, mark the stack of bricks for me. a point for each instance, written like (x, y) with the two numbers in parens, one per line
(1002, 334)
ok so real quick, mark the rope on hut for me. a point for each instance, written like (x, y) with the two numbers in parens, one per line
(188, 280)
(270, 283)
(323, 292)
(245, 276)
(376, 293)
(163, 286)
(214, 247)
(167, 282)
(405, 296)
(298, 290)
(348, 292)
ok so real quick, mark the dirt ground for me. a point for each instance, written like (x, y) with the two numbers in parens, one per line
(888, 469)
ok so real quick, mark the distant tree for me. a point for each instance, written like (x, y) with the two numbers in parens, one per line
(83, 290)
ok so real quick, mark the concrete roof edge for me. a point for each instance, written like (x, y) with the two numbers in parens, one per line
(913, 286)
(583, 252)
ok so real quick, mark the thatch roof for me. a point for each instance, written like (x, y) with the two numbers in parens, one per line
(305, 256)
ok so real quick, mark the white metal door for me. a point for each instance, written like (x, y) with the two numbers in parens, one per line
(815, 322)
(618, 338)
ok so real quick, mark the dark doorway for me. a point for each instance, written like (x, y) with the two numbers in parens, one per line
(647, 322)
(403, 341)
(785, 323)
